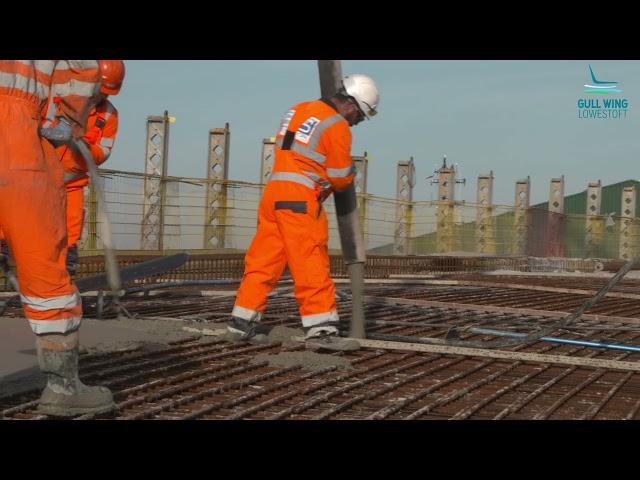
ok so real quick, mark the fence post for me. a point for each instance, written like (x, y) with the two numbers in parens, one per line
(628, 230)
(593, 226)
(217, 175)
(267, 158)
(91, 220)
(485, 226)
(404, 197)
(555, 247)
(155, 169)
(445, 237)
(520, 227)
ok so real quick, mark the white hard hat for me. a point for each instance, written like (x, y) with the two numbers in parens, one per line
(364, 91)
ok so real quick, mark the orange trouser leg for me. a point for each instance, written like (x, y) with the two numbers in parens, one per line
(300, 239)
(32, 217)
(306, 239)
(263, 264)
(75, 213)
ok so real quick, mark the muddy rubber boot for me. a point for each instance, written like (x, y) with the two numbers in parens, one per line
(247, 331)
(330, 341)
(65, 395)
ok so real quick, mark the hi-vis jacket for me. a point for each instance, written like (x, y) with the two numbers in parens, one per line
(313, 148)
(34, 81)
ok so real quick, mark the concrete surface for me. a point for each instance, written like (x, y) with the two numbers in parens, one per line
(19, 369)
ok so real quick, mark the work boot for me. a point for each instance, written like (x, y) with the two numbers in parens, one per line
(248, 331)
(65, 395)
(331, 341)
(72, 260)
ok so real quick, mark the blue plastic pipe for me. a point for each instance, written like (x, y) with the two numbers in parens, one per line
(568, 341)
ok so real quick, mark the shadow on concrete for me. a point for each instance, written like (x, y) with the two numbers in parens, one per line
(20, 382)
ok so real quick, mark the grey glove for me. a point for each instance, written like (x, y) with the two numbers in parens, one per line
(59, 134)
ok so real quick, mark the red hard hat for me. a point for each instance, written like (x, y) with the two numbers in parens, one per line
(111, 76)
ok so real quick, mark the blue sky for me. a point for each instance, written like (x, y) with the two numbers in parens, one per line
(516, 118)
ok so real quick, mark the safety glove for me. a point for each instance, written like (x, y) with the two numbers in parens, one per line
(60, 133)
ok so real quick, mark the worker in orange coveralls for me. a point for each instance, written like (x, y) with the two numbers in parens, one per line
(32, 216)
(312, 159)
(102, 128)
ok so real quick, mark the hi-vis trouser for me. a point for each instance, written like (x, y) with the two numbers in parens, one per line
(293, 230)
(75, 210)
(32, 218)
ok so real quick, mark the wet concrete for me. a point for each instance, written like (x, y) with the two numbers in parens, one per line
(278, 334)
(284, 335)
(19, 369)
(308, 360)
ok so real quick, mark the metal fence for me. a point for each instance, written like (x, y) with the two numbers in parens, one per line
(186, 222)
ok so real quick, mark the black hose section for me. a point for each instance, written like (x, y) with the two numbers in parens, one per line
(111, 263)
(180, 283)
(351, 239)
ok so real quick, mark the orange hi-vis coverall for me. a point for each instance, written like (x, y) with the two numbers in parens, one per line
(312, 159)
(32, 194)
(102, 128)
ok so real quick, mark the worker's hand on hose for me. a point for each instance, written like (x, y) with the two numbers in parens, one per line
(92, 136)
(59, 134)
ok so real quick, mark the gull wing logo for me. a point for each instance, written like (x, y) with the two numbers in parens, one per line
(601, 87)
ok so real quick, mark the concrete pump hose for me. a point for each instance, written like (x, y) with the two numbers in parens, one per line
(351, 239)
(111, 263)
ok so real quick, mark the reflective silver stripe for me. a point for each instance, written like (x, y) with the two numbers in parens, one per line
(314, 331)
(326, 123)
(40, 327)
(109, 111)
(26, 84)
(42, 304)
(318, 179)
(286, 119)
(75, 87)
(293, 177)
(68, 176)
(318, 318)
(279, 141)
(106, 142)
(76, 65)
(339, 172)
(307, 152)
(82, 64)
(44, 66)
(106, 151)
(246, 313)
